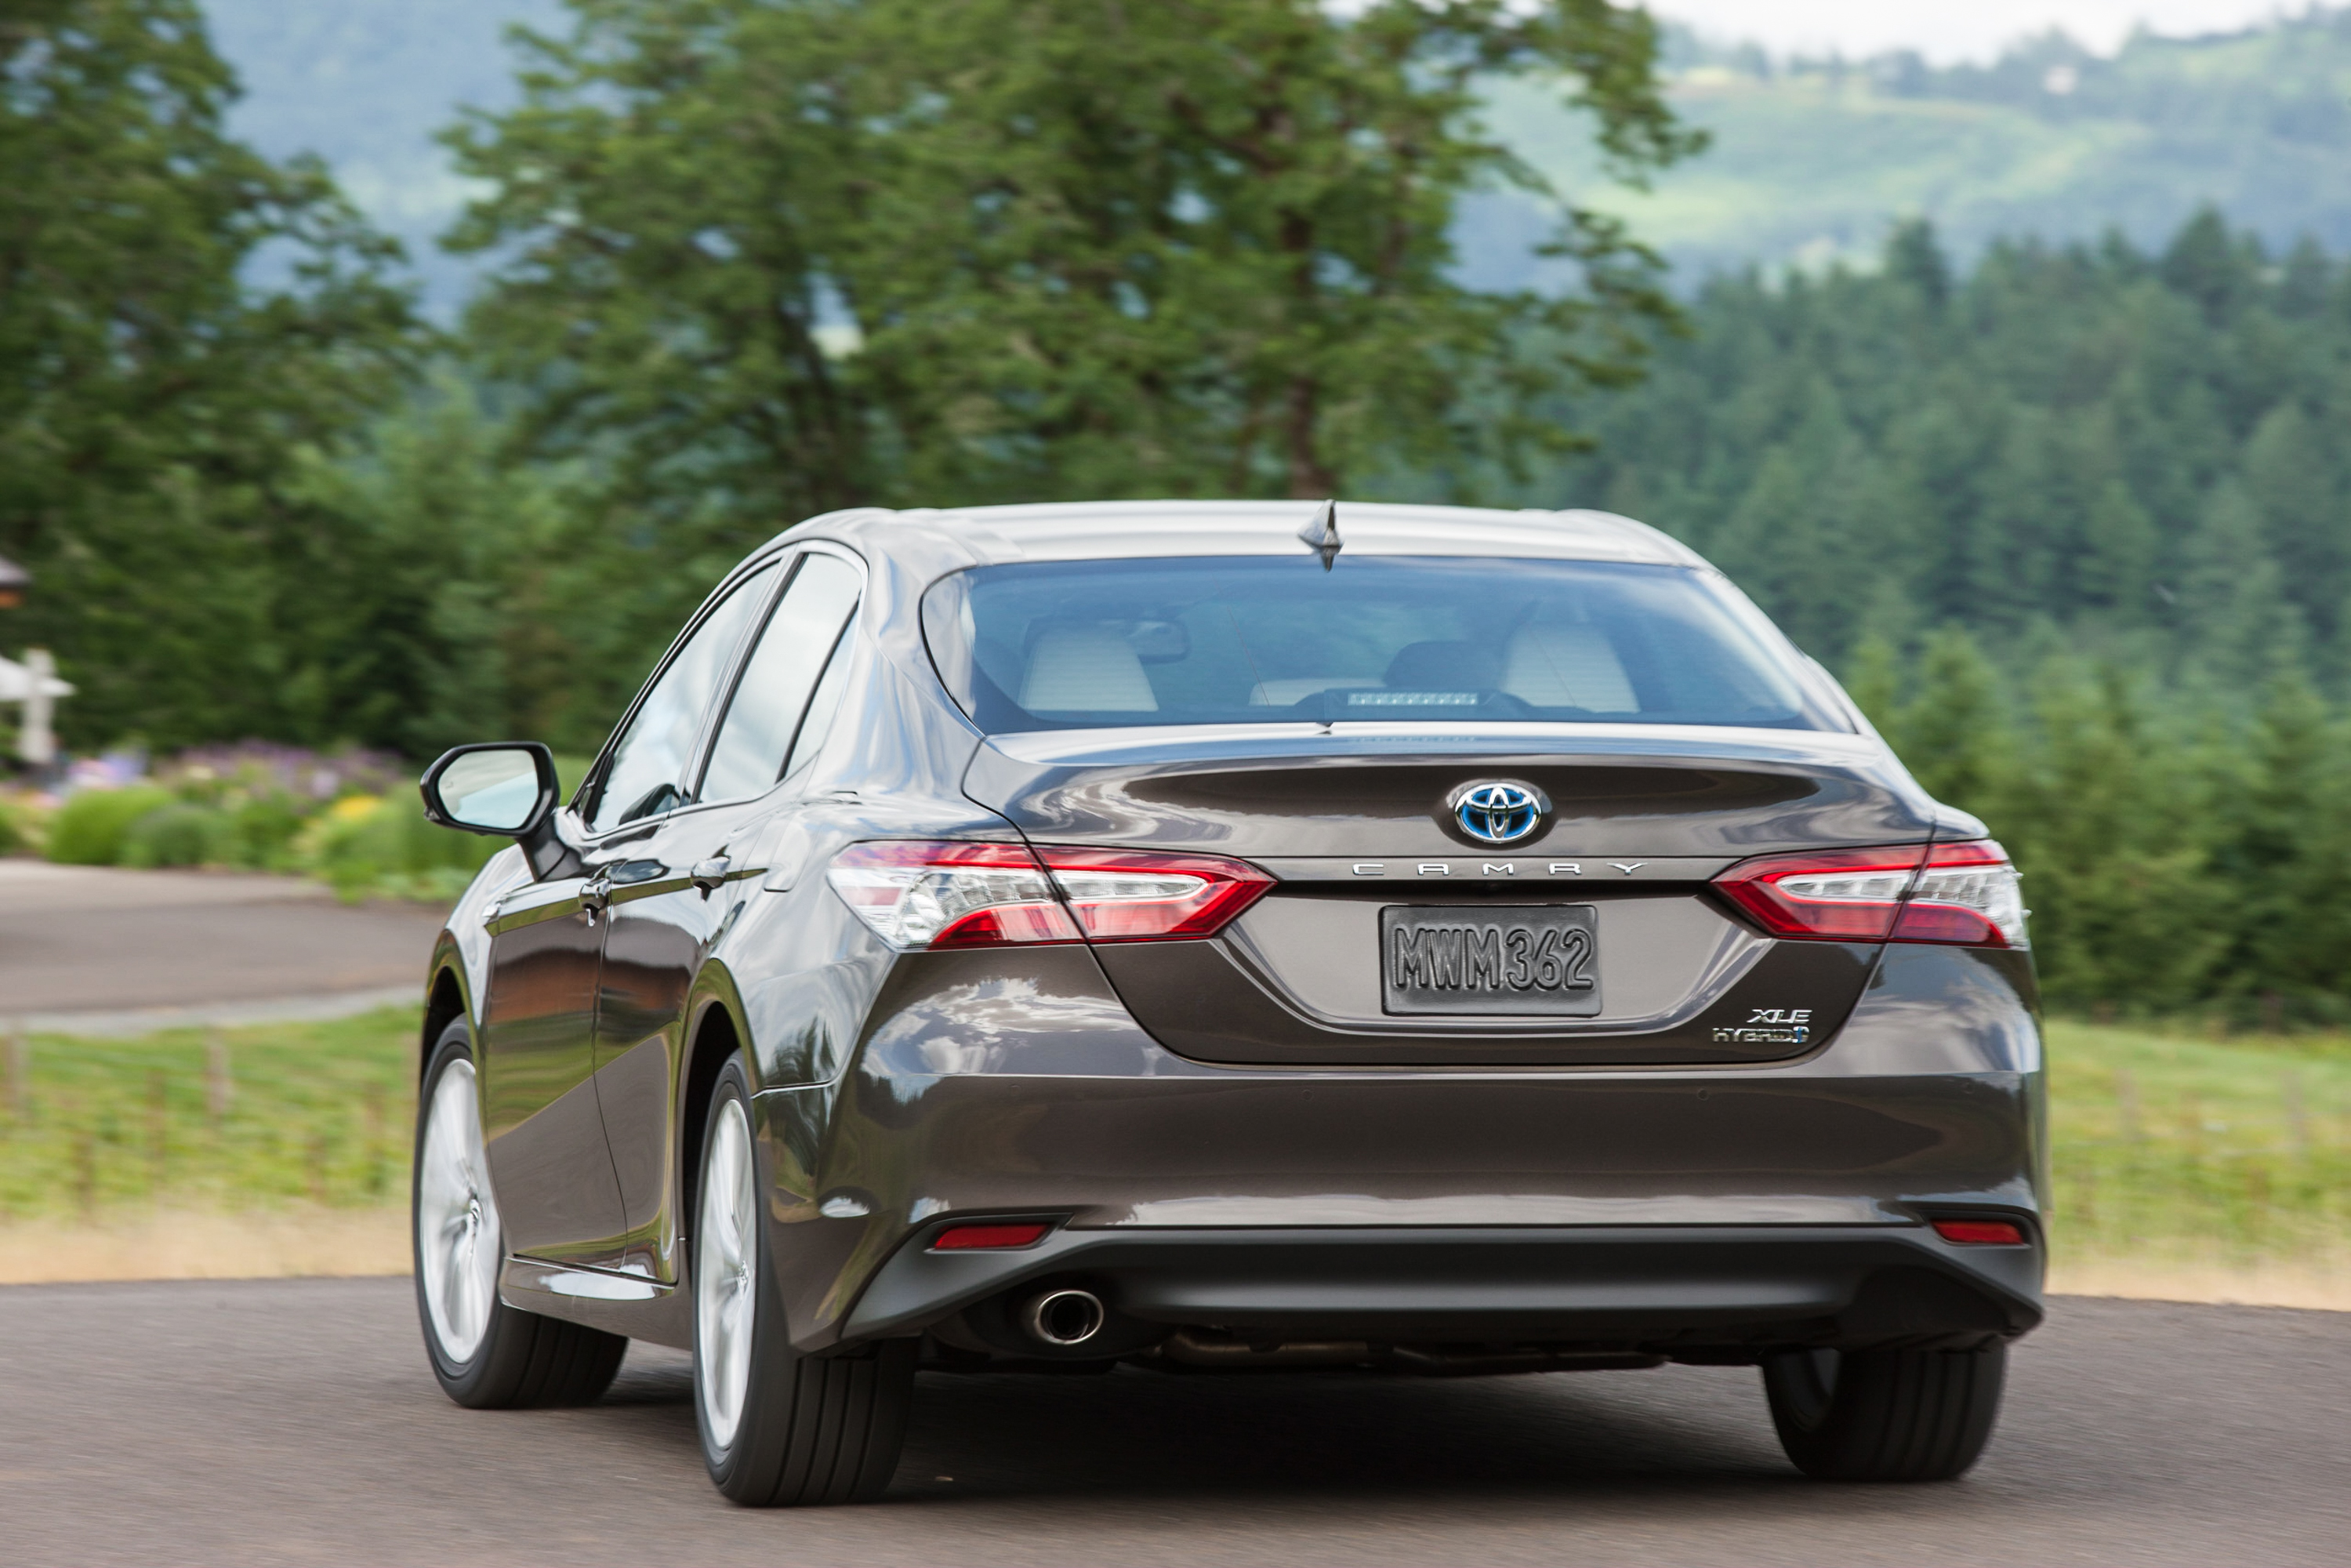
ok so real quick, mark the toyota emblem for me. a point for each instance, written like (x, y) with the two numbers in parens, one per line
(1498, 810)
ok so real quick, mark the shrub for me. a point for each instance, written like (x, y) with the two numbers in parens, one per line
(264, 829)
(88, 828)
(181, 833)
(366, 846)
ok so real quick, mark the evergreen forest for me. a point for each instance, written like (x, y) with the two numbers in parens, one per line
(2075, 526)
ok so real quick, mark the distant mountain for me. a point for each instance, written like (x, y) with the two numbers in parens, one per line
(1814, 159)
(1812, 162)
(365, 84)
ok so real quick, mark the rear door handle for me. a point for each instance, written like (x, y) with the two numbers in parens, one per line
(708, 874)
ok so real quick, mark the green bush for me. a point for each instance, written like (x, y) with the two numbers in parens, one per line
(263, 828)
(88, 828)
(389, 850)
(13, 838)
(181, 833)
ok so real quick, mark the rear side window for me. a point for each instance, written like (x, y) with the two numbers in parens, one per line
(1270, 639)
(772, 698)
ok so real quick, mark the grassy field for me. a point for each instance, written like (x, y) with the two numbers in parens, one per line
(2171, 1148)
(308, 1114)
(2172, 1151)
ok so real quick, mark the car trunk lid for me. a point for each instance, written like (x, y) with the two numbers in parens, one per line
(1357, 824)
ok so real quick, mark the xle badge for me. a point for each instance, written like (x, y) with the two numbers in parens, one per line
(1769, 1026)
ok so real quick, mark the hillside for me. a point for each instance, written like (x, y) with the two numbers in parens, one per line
(365, 84)
(1812, 158)
(1810, 161)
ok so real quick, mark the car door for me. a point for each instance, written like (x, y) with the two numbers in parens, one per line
(550, 1160)
(663, 923)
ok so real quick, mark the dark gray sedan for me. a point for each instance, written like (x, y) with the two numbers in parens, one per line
(1220, 937)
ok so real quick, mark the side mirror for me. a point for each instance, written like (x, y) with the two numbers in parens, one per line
(507, 788)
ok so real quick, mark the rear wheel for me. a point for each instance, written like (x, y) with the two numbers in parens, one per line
(778, 1428)
(487, 1355)
(1885, 1414)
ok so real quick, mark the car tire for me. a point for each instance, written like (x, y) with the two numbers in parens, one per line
(779, 1429)
(486, 1354)
(1885, 1414)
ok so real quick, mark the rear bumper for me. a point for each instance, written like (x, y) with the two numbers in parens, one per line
(1696, 1293)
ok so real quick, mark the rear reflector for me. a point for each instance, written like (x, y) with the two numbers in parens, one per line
(1980, 1232)
(979, 1237)
(927, 894)
(1963, 893)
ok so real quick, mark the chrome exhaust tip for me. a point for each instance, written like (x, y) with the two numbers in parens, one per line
(1063, 1319)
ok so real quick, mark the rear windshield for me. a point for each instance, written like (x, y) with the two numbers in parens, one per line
(1274, 638)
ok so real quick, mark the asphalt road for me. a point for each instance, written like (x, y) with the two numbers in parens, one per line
(294, 1421)
(89, 940)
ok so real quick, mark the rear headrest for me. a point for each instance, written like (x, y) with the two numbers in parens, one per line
(1567, 666)
(1085, 669)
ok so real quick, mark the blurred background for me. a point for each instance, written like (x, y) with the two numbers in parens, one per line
(379, 376)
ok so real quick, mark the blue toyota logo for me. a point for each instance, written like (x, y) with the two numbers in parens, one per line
(1498, 812)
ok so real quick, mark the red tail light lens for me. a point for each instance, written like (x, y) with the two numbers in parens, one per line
(1980, 1232)
(926, 895)
(933, 894)
(1825, 896)
(1964, 893)
(1139, 895)
(987, 1237)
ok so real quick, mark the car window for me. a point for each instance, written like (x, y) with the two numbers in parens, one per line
(822, 707)
(1420, 639)
(773, 696)
(647, 774)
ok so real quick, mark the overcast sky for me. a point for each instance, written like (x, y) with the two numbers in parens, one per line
(1946, 30)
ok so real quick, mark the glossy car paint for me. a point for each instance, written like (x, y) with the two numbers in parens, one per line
(1211, 1123)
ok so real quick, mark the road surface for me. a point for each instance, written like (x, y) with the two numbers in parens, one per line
(294, 1421)
(117, 948)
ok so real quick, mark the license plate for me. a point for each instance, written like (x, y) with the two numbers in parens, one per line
(1510, 960)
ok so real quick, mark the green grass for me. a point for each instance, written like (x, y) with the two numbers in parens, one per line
(2174, 1147)
(2165, 1147)
(316, 1113)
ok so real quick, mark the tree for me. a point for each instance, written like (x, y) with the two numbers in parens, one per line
(772, 256)
(154, 404)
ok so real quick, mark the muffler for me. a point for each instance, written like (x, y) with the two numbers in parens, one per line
(1063, 1319)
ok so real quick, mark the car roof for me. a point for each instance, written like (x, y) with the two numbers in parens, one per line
(1086, 530)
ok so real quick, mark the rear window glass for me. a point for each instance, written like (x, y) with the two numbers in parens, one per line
(1274, 638)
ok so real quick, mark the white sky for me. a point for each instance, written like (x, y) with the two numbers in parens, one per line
(1949, 30)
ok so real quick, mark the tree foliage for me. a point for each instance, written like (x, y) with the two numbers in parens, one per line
(772, 256)
(2122, 453)
(154, 403)
(2073, 528)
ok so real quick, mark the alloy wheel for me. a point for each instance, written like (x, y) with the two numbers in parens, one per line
(458, 1238)
(725, 1271)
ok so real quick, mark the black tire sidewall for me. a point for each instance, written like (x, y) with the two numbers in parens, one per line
(1844, 1437)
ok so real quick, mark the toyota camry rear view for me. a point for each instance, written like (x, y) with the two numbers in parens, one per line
(1209, 939)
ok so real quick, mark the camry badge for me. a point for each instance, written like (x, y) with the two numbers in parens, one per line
(1498, 810)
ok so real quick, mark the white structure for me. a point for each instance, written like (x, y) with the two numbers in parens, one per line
(35, 683)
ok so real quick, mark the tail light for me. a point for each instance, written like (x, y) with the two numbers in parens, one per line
(1964, 893)
(1135, 896)
(1980, 1232)
(916, 893)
